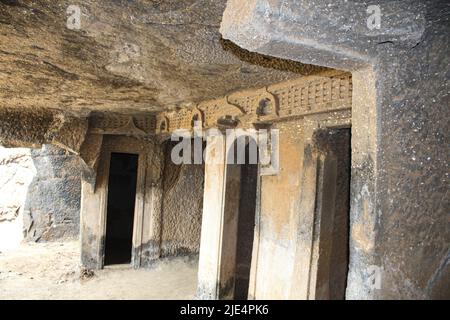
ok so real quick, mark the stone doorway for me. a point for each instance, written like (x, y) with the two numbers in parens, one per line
(239, 223)
(246, 228)
(120, 208)
(332, 216)
(322, 259)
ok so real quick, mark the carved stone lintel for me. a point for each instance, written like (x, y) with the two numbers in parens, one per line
(325, 93)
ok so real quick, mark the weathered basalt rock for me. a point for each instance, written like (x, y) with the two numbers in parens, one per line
(52, 209)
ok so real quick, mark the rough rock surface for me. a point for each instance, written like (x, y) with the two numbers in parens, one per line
(127, 55)
(52, 209)
(182, 208)
(32, 128)
(16, 172)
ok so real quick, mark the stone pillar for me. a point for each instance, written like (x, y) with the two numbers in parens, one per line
(93, 181)
(93, 202)
(90, 203)
(151, 236)
(212, 219)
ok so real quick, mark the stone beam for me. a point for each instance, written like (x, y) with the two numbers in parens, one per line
(326, 33)
(33, 128)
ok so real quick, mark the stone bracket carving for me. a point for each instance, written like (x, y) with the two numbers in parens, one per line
(90, 154)
(68, 132)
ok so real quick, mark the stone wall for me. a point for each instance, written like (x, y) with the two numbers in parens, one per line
(39, 195)
(278, 227)
(182, 207)
(52, 207)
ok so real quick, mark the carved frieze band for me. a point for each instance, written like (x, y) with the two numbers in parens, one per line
(136, 125)
(300, 97)
(324, 93)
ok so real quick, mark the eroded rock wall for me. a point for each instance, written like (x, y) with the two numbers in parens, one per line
(182, 207)
(52, 208)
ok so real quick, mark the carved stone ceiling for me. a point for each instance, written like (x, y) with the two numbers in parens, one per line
(128, 56)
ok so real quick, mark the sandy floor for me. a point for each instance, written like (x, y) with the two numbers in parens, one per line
(51, 271)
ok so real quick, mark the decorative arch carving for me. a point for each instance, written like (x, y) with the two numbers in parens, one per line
(162, 124)
(268, 105)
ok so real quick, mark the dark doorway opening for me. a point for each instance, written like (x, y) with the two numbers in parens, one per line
(333, 212)
(120, 208)
(341, 147)
(239, 225)
(246, 227)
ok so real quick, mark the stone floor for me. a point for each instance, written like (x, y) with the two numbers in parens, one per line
(51, 271)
